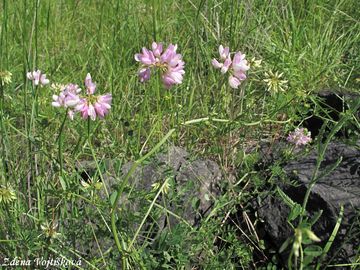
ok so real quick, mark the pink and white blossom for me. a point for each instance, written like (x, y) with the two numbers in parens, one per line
(99, 108)
(169, 63)
(91, 105)
(37, 77)
(237, 66)
(146, 57)
(240, 64)
(224, 52)
(301, 136)
(90, 86)
(144, 74)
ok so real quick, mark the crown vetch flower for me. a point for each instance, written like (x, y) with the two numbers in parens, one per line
(301, 136)
(169, 63)
(236, 66)
(91, 105)
(37, 77)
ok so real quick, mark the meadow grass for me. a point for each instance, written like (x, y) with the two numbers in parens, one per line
(315, 44)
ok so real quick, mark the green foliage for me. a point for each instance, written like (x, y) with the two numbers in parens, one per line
(314, 44)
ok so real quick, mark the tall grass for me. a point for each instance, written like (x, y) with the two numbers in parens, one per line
(314, 43)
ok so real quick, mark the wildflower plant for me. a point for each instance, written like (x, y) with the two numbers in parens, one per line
(89, 105)
(91, 184)
(169, 63)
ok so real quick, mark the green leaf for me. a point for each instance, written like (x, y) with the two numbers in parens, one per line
(285, 198)
(294, 212)
(285, 245)
(113, 197)
(315, 218)
(332, 236)
(195, 203)
(330, 168)
(62, 183)
(295, 208)
(308, 261)
(313, 250)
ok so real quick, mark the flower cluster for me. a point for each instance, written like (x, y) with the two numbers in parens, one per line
(301, 136)
(89, 105)
(168, 62)
(37, 77)
(68, 98)
(237, 66)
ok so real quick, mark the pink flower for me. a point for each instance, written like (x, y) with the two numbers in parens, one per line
(301, 136)
(239, 63)
(234, 82)
(237, 66)
(86, 109)
(37, 77)
(157, 49)
(146, 57)
(99, 108)
(103, 105)
(168, 62)
(144, 74)
(90, 86)
(224, 52)
(225, 59)
(91, 105)
(68, 97)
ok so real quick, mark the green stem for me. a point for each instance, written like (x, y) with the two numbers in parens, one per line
(88, 128)
(60, 144)
(2, 141)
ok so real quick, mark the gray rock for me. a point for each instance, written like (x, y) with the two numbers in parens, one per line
(203, 175)
(195, 186)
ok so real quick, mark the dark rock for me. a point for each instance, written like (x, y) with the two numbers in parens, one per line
(332, 104)
(340, 187)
